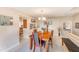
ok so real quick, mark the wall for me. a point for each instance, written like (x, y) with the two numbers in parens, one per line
(58, 23)
(70, 20)
(11, 12)
(9, 38)
(75, 20)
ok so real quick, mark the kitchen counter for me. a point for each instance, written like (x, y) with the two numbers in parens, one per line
(71, 41)
(72, 47)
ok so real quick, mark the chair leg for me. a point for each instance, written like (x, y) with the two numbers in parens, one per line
(34, 47)
(51, 44)
(31, 44)
(40, 46)
(20, 41)
(62, 42)
(51, 41)
(47, 46)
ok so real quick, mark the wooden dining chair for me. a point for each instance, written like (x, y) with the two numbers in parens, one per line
(21, 35)
(46, 36)
(40, 38)
(51, 39)
(31, 41)
(21, 31)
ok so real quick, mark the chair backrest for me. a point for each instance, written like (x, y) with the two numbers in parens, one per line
(52, 33)
(20, 31)
(46, 35)
(36, 38)
(40, 35)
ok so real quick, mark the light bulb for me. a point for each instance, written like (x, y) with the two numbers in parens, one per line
(39, 18)
(44, 18)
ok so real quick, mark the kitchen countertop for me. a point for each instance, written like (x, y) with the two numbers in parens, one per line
(70, 45)
(72, 38)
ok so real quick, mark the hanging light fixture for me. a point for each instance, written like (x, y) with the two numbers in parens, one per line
(42, 17)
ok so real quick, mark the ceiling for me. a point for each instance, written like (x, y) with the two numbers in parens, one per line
(46, 11)
(39, 11)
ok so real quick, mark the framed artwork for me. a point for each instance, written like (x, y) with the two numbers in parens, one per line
(33, 19)
(49, 22)
(77, 25)
(32, 26)
(6, 20)
(33, 22)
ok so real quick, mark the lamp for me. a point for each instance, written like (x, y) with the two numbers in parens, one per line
(42, 17)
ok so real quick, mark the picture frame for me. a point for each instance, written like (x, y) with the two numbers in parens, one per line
(50, 22)
(6, 20)
(77, 25)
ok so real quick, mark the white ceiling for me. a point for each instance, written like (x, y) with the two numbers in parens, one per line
(46, 11)
(38, 11)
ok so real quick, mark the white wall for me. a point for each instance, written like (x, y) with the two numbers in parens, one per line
(58, 23)
(9, 38)
(75, 20)
(8, 11)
